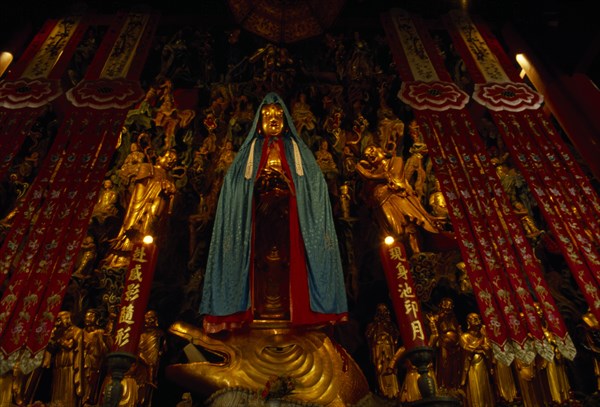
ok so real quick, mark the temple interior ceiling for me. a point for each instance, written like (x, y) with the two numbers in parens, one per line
(199, 86)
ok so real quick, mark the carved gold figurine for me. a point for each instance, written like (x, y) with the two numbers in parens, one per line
(397, 207)
(477, 367)
(382, 336)
(64, 355)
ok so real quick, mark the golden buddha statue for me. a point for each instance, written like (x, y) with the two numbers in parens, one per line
(382, 336)
(477, 368)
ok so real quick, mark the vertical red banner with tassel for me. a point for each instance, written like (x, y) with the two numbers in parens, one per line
(494, 247)
(34, 82)
(76, 167)
(565, 197)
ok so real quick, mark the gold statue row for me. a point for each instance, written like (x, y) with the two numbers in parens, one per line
(75, 361)
(464, 366)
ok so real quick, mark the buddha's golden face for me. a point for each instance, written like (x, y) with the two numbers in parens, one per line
(272, 120)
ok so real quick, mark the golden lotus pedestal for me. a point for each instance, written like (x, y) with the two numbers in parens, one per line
(322, 371)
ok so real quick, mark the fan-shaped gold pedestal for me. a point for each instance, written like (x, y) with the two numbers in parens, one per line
(323, 372)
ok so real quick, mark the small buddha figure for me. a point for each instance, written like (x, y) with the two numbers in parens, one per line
(382, 336)
(556, 372)
(476, 372)
(106, 207)
(531, 229)
(445, 337)
(304, 119)
(591, 341)
(325, 159)
(150, 350)
(64, 355)
(95, 349)
(327, 163)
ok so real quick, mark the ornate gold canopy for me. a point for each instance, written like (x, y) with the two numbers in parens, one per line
(285, 21)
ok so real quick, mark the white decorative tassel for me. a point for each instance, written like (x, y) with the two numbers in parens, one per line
(297, 159)
(250, 162)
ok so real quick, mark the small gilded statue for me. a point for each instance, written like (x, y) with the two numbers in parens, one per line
(382, 336)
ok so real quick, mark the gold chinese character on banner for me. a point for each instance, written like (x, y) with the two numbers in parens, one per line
(139, 255)
(417, 330)
(126, 315)
(133, 292)
(135, 274)
(122, 337)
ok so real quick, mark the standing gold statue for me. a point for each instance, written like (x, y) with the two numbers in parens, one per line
(382, 336)
(504, 382)
(592, 342)
(556, 372)
(534, 391)
(151, 348)
(477, 368)
(64, 354)
(95, 349)
(532, 381)
(151, 199)
(445, 337)
(6, 389)
(397, 207)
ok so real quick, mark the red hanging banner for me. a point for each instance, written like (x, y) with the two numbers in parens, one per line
(437, 104)
(35, 271)
(46, 223)
(511, 104)
(496, 326)
(61, 266)
(136, 292)
(34, 82)
(403, 294)
(501, 90)
(482, 217)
